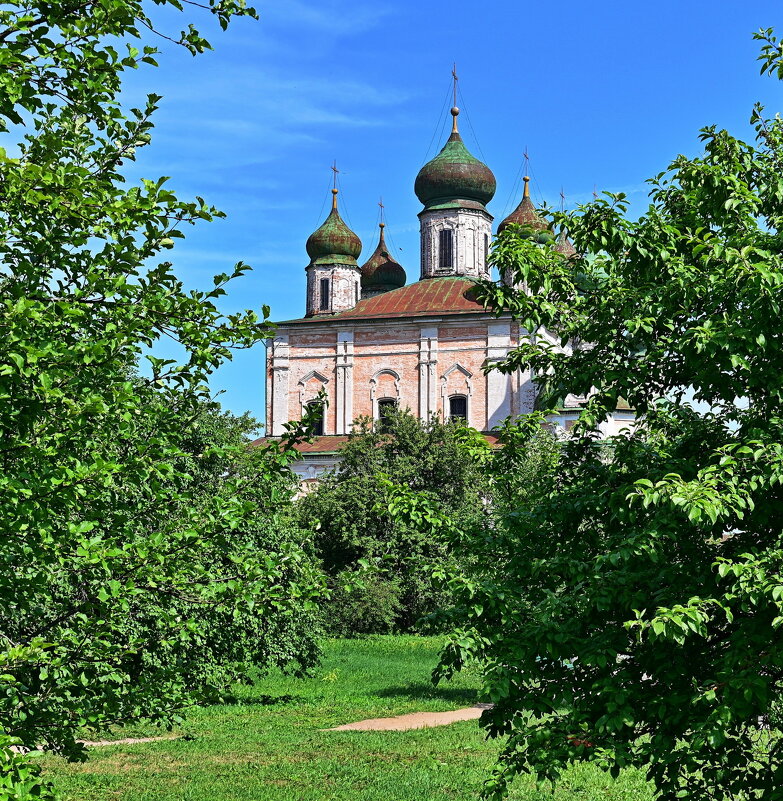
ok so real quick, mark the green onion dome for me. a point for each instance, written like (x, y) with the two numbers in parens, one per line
(526, 216)
(381, 273)
(334, 242)
(455, 178)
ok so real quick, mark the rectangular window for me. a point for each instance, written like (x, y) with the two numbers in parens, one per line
(446, 250)
(486, 247)
(357, 293)
(324, 294)
(317, 408)
(386, 407)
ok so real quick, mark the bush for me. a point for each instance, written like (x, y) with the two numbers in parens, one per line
(353, 524)
(362, 603)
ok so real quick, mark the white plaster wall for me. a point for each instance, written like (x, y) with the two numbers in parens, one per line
(470, 226)
(498, 384)
(277, 398)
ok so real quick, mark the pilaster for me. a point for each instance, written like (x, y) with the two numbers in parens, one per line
(344, 400)
(428, 362)
(498, 384)
(277, 353)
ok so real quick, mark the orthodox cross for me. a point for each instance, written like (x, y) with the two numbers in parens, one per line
(334, 185)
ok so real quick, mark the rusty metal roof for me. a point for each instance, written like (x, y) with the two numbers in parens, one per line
(424, 298)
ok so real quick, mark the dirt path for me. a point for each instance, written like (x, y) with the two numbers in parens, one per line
(414, 720)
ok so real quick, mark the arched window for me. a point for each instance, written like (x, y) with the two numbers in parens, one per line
(386, 407)
(324, 304)
(446, 249)
(458, 408)
(319, 408)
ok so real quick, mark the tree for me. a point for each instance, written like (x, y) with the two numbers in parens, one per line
(358, 541)
(633, 614)
(141, 566)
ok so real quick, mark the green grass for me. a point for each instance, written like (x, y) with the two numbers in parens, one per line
(270, 744)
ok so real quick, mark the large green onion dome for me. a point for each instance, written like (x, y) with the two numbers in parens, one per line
(526, 216)
(381, 273)
(455, 178)
(334, 242)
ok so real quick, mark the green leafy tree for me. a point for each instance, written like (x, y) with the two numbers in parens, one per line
(141, 567)
(635, 618)
(380, 569)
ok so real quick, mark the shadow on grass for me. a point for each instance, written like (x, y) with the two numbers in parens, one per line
(424, 691)
(258, 700)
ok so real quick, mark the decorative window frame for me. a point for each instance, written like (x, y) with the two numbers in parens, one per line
(467, 394)
(303, 399)
(374, 390)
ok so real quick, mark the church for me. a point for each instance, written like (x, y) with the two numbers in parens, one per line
(369, 341)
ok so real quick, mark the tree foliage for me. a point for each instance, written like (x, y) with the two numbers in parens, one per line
(632, 615)
(142, 566)
(380, 568)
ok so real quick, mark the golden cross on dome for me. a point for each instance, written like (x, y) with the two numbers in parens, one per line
(454, 109)
(334, 169)
(562, 199)
(381, 207)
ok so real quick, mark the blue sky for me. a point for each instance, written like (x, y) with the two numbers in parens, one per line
(601, 94)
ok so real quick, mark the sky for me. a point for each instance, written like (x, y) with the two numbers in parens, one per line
(601, 96)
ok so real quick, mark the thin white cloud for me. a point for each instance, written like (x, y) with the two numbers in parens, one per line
(334, 18)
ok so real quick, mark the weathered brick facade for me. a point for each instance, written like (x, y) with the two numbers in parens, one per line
(367, 339)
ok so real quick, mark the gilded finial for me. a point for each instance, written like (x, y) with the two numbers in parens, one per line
(334, 199)
(526, 190)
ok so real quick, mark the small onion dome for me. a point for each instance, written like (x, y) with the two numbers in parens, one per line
(334, 242)
(564, 246)
(525, 214)
(455, 178)
(381, 273)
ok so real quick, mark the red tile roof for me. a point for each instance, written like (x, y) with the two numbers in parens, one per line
(426, 297)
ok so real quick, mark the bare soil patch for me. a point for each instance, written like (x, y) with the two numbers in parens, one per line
(414, 720)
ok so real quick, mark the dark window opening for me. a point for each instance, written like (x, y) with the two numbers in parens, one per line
(446, 250)
(386, 407)
(324, 294)
(357, 293)
(486, 247)
(318, 408)
(458, 407)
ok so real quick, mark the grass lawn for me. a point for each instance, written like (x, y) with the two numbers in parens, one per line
(270, 744)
